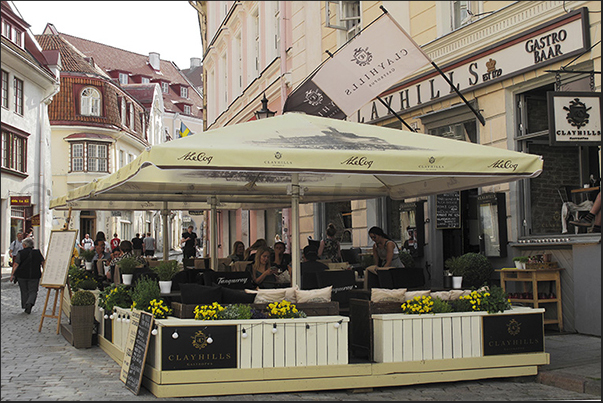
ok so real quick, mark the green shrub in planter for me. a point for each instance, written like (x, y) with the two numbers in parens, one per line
(82, 298)
(128, 265)
(476, 269)
(166, 270)
(76, 276)
(145, 290)
(87, 255)
(88, 284)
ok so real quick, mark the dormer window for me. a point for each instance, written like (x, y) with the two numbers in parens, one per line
(12, 33)
(165, 87)
(187, 109)
(123, 78)
(90, 102)
(183, 92)
(145, 80)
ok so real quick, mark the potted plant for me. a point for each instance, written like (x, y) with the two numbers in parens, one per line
(520, 261)
(455, 269)
(88, 255)
(476, 269)
(127, 268)
(82, 318)
(166, 270)
(145, 291)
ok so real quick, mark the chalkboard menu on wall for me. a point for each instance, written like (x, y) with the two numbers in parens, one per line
(135, 353)
(448, 210)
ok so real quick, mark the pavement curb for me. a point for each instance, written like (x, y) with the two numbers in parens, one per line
(568, 381)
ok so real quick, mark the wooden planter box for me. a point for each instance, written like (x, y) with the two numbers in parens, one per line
(251, 343)
(403, 337)
(82, 325)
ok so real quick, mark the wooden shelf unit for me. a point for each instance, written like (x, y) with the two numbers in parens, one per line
(533, 277)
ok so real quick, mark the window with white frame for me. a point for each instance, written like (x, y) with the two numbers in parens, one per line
(460, 13)
(7, 29)
(224, 84)
(122, 108)
(89, 157)
(14, 151)
(187, 109)
(165, 88)
(4, 89)
(131, 122)
(238, 65)
(18, 91)
(123, 78)
(145, 80)
(90, 102)
(254, 35)
(183, 92)
(345, 16)
(122, 158)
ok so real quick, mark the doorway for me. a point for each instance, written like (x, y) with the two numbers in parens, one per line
(87, 224)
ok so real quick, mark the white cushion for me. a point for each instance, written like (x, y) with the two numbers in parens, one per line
(387, 295)
(443, 295)
(455, 294)
(267, 296)
(411, 294)
(317, 295)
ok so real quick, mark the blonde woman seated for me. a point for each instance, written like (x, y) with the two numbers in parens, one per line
(250, 252)
(263, 275)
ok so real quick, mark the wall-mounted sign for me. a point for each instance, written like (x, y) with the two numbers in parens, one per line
(555, 40)
(195, 212)
(199, 347)
(513, 334)
(35, 220)
(24, 201)
(575, 118)
(115, 213)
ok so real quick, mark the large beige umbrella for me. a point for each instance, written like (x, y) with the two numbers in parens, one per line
(296, 158)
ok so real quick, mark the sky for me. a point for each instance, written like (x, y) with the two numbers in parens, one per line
(170, 28)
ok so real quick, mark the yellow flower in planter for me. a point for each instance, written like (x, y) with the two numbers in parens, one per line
(284, 309)
(418, 305)
(208, 312)
(158, 309)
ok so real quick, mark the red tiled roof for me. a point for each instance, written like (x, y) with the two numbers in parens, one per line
(71, 60)
(111, 58)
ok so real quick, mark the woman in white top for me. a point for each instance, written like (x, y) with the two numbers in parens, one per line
(385, 250)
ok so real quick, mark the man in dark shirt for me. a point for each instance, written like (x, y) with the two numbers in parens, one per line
(189, 238)
(137, 245)
(309, 267)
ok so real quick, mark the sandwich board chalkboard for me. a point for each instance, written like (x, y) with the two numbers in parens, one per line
(448, 210)
(58, 258)
(135, 354)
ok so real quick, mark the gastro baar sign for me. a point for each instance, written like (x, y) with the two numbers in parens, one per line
(513, 334)
(199, 347)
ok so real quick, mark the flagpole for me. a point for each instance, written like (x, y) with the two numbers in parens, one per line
(479, 115)
(395, 114)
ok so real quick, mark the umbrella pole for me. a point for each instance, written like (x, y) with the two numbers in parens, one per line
(295, 272)
(166, 232)
(213, 232)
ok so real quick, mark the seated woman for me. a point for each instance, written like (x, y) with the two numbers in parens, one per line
(262, 274)
(250, 252)
(282, 261)
(238, 252)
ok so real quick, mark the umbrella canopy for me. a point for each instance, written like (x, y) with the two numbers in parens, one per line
(249, 165)
(296, 158)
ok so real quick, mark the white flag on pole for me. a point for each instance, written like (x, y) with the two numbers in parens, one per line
(381, 56)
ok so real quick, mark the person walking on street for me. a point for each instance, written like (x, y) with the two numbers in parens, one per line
(189, 238)
(87, 243)
(15, 247)
(137, 245)
(114, 242)
(148, 244)
(27, 271)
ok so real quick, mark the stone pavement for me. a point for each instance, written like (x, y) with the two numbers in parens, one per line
(43, 366)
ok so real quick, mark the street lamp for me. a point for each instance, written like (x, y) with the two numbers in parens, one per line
(264, 112)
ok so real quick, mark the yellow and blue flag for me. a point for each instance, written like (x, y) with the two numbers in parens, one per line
(184, 131)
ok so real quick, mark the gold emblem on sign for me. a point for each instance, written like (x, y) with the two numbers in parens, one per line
(199, 340)
(513, 327)
(491, 65)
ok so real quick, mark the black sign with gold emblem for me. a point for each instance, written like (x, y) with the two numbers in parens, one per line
(513, 334)
(199, 347)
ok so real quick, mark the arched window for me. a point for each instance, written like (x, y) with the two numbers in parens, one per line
(90, 102)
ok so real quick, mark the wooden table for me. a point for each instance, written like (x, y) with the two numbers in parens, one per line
(583, 193)
(530, 279)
